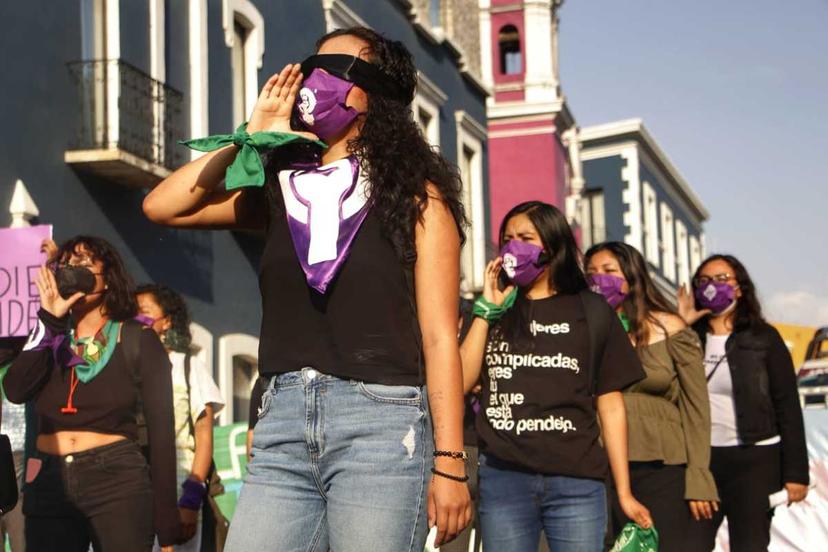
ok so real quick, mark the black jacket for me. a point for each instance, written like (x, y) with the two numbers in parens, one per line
(765, 395)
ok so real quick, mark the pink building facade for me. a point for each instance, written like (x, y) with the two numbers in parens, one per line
(533, 143)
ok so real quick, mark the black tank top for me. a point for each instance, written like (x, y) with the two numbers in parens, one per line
(365, 326)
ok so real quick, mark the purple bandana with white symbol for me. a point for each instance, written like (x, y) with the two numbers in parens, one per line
(325, 207)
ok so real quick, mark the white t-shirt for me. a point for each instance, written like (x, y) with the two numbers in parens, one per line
(203, 391)
(720, 388)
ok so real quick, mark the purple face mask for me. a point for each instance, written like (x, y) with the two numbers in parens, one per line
(321, 107)
(609, 286)
(521, 262)
(716, 296)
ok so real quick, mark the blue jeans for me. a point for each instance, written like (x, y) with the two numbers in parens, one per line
(515, 506)
(336, 464)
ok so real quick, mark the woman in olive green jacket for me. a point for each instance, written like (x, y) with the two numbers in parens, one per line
(668, 413)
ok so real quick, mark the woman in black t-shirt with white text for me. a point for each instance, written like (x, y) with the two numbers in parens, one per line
(541, 463)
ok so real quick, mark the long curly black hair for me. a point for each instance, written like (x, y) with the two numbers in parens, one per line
(396, 157)
(178, 336)
(118, 297)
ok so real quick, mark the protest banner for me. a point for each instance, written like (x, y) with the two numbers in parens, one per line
(20, 259)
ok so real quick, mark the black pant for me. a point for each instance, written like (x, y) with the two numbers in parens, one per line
(660, 488)
(745, 476)
(100, 496)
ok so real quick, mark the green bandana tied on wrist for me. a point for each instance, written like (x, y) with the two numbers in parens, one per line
(491, 312)
(247, 169)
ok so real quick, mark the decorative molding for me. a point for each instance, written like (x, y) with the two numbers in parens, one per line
(199, 75)
(431, 91)
(338, 16)
(631, 198)
(203, 343)
(635, 128)
(22, 207)
(533, 131)
(471, 134)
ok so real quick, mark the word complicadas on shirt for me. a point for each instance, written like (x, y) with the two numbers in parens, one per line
(504, 365)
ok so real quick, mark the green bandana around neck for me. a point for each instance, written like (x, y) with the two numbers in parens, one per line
(624, 321)
(96, 354)
(246, 170)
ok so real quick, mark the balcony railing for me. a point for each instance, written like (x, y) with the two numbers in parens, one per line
(129, 123)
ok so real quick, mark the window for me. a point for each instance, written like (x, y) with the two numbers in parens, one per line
(508, 39)
(245, 372)
(237, 372)
(426, 108)
(434, 13)
(471, 136)
(650, 225)
(695, 253)
(683, 261)
(237, 65)
(593, 224)
(668, 244)
(244, 35)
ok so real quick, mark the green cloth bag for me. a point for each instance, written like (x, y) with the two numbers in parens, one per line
(635, 539)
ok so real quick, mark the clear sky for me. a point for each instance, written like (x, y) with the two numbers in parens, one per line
(736, 93)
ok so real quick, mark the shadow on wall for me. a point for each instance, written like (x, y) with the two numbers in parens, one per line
(181, 259)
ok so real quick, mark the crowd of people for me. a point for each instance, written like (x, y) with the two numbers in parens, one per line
(575, 393)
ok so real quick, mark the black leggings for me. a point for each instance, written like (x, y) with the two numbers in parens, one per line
(660, 488)
(745, 476)
(100, 496)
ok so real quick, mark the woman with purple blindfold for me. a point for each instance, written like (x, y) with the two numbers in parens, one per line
(757, 438)
(360, 288)
(668, 412)
(544, 388)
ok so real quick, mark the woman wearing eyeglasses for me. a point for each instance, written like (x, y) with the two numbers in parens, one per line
(757, 437)
(92, 371)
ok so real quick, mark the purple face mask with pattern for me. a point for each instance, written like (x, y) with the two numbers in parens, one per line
(609, 286)
(716, 296)
(321, 106)
(522, 262)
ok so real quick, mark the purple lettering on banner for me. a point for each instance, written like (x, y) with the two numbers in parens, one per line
(20, 258)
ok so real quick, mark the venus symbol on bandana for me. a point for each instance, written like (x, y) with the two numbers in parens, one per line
(326, 207)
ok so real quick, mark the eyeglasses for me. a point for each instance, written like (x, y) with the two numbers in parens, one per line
(722, 278)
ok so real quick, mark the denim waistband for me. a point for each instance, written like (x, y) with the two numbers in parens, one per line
(304, 376)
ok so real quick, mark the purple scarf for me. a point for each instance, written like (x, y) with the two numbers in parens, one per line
(325, 208)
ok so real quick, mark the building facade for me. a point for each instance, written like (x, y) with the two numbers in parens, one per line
(532, 134)
(93, 110)
(633, 193)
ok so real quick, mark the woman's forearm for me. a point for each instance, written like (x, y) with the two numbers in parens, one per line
(614, 434)
(445, 396)
(175, 199)
(203, 445)
(471, 353)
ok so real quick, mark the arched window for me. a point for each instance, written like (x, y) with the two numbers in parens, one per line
(508, 39)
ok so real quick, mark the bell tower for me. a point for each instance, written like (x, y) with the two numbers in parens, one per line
(533, 146)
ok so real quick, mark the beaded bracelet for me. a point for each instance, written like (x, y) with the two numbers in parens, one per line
(456, 455)
(461, 479)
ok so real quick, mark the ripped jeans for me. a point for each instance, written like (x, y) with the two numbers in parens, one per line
(336, 464)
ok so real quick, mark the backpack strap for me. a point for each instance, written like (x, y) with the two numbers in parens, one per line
(187, 370)
(598, 320)
(131, 344)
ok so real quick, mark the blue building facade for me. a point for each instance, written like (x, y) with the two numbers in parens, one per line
(633, 193)
(98, 92)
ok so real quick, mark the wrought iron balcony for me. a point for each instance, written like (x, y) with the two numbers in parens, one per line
(129, 123)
